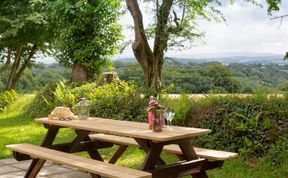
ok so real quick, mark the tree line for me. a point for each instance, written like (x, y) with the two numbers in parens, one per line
(211, 77)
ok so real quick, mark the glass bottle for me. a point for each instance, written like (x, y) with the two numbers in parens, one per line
(151, 104)
(158, 121)
(83, 108)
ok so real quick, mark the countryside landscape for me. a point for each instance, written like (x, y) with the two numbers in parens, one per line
(119, 56)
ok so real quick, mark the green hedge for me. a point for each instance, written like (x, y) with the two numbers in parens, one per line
(249, 125)
(7, 98)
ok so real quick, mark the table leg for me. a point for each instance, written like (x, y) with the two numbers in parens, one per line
(153, 156)
(146, 146)
(37, 164)
(190, 154)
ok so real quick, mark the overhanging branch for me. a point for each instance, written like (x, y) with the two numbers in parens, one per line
(281, 19)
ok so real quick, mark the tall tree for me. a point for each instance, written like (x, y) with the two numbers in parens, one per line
(22, 35)
(174, 22)
(86, 33)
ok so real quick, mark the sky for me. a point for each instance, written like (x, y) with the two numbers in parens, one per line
(248, 30)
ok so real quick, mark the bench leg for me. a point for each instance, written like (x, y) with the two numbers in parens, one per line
(118, 154)
(37, 164)
(34, 168)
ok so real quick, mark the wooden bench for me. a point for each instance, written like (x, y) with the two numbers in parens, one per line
(83, 164)
(211, 155)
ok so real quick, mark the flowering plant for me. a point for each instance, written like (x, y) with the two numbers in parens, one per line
(154, 107)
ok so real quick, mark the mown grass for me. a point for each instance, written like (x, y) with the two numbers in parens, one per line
(17, 127)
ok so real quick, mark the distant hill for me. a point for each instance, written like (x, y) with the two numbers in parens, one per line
(264, 60)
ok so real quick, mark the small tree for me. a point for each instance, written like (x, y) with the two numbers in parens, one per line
(86, 34)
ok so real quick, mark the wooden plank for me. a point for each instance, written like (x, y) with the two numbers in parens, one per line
(209, 154)
(127, 129)
(201, 152)
(114, 139)
(83, 164)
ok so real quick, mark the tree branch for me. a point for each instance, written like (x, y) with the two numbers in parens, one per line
(183, 13)
(161, 36)
(8, 61)
(14, 66)
(140, 46)
(24, 65)
(281, 19)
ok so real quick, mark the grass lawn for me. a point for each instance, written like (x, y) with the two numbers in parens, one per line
(16, 127)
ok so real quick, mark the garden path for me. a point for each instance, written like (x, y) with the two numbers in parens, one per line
(10, 168)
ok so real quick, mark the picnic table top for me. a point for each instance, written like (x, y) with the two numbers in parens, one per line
(127, 129)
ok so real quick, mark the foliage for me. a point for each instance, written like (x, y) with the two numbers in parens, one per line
(182, 27)
(37, 77)
(43, 103)
(7, 98)
(249, 125)
(23, 34)
(117, 100)
(283, 86)
(277, 152)
(86, 32)
(180, 105)
(273, 5)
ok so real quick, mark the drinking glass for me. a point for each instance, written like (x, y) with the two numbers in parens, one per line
(169, 115)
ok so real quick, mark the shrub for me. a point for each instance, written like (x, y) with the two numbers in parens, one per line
(277, 152)
(247, 125)
(117, 100)
(181, 106)
(7, 98)
(43, 103)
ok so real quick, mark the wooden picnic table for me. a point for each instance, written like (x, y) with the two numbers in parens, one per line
(152, 143)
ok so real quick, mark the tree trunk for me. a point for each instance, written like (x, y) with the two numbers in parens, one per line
(150, 62)
(79, 73)
(23, 66)
(7, 63)
(15, 66)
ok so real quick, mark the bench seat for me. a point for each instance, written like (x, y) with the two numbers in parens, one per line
(81, 163)
(211, 155)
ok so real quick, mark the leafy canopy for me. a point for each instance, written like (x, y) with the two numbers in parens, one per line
(85, 32)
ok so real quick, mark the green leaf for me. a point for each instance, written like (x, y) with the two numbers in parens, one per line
(247, 141)
(267, 123)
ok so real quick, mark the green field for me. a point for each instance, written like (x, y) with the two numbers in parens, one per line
(17, 127)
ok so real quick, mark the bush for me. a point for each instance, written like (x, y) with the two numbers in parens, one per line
(277, 152)
(43, 103)
(247, 125)
(117, 100)
(7, 98)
